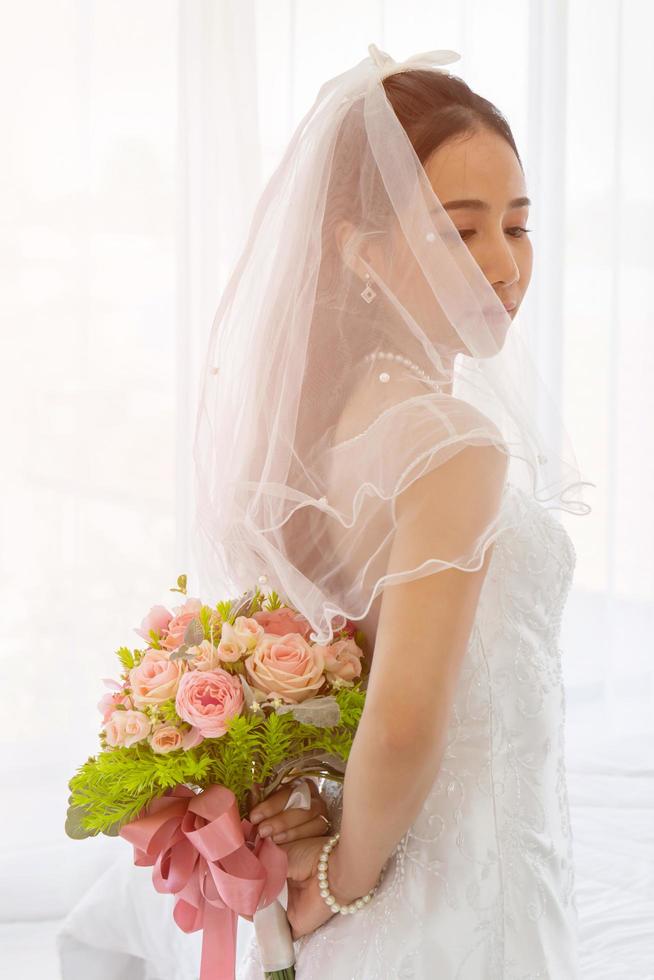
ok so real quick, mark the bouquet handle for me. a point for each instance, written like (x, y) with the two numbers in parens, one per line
(271, 925)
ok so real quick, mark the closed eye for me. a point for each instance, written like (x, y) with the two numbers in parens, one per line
(517, 231)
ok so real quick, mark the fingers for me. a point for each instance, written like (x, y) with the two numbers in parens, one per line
(303, 856)
(285, 825)
(276, 802)
(292, 824)
(315, 827)
(272, 804)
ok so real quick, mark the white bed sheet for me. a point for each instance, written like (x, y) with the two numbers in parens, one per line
(121, 929)
(611, 787)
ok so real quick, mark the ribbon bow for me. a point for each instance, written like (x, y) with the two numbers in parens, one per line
(427, 59)
(203, 852)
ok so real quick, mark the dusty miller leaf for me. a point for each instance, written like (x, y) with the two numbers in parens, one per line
(321, 712)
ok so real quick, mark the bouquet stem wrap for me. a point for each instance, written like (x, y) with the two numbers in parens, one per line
(202, 851)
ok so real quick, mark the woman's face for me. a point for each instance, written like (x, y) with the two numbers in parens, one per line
(479, 182)
(483, 171)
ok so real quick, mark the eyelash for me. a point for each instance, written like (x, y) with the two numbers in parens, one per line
(524, 231)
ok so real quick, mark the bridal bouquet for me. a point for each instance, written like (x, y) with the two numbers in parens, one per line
(222, 705)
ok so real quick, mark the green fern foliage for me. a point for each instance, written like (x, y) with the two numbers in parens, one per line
(114, 786)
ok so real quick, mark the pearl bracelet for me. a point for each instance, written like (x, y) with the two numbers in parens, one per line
(324, 886)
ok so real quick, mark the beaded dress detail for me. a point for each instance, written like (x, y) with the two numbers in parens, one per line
(481, 887)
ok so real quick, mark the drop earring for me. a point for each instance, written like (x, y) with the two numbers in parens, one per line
(368, 293)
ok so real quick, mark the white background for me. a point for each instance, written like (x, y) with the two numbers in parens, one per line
(136, 137)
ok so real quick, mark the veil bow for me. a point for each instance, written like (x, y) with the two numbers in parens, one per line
(428, 59)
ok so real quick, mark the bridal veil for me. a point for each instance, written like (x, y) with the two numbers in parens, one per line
(358, 346)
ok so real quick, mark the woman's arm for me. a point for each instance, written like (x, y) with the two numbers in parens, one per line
(422, 635)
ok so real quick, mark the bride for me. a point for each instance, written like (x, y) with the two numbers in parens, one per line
(376, 437)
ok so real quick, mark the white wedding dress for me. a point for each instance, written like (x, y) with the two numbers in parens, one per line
(481, 887)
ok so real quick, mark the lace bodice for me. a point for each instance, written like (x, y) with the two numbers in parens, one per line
(481, 887)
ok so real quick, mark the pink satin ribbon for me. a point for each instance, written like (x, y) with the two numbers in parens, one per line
(214, 861)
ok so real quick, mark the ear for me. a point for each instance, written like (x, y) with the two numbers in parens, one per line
(345, 234)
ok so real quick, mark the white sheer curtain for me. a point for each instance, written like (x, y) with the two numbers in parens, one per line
(136, 138)
(575, 79)
(89, 267)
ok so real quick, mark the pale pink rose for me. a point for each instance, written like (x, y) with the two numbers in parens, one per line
(191, 738)
(239, 638)
(246, 630)
(287, 667)
(207, 699)
(165, 738)
(126, 727)
(343, 660)
(155, 679)
(229, 650)
(177, 625)
(205, 656)
(282, 621)
(110, 701)
(157, 619)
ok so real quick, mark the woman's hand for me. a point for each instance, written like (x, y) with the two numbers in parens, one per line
(282, 825)
(293, 825)
(306, 910)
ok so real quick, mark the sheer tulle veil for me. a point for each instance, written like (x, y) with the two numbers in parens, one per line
(332, 383)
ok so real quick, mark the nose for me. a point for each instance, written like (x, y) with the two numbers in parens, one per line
(498, 262)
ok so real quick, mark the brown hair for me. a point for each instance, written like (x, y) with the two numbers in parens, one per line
(434, 107)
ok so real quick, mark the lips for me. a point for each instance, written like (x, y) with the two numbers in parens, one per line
(507, 304)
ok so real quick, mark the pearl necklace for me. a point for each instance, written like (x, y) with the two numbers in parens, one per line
(400, 359)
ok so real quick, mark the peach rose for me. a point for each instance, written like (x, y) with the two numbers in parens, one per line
(165, 738)
(126, 727)
(155, 679)
(282, 621)
(177, 625)
(157, 619)
(287, 667)
(207, 699)
(342, 660)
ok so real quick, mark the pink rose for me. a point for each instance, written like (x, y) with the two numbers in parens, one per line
(177, 625)
(282, 621)
(343, 660)
(155, 679)
(286, 666)
(157, 619)
(207, 699)
(165, 738)
(350, 627)
(126, 727)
